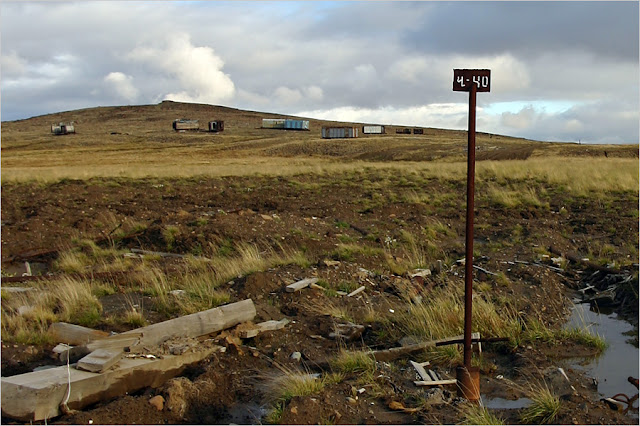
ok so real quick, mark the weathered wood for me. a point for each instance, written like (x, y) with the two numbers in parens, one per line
(433, 375)
(63, 351)
(575, 258)
(37, 396)
(270, 325)
(356, 291)
(115, 342)
(421, 371)
(198, 324)
(73, 334)
(435, 382)
(100, 360)
(301, 284)
(394, 353)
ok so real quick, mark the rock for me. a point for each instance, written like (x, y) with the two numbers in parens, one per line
(296, 356)
(25, 310)
(266, 217)
(158, 402)
(351, 401)
(294, 410)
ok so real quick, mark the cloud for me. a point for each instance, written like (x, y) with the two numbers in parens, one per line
(123, 85)
(523, 119)
(284, 95)
(198, 70)
(12, 65)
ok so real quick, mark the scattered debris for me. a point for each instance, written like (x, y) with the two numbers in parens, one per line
(100, 360)
(347, 331)
(356, 291)
(299, 285)
(72, 334)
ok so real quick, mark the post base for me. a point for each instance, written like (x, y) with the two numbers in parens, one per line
(468, 382)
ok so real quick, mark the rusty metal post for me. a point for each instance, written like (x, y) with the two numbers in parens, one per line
(468, 276)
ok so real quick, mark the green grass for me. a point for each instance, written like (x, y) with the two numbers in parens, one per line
(544, 407)
(350, 362)
(474, 414)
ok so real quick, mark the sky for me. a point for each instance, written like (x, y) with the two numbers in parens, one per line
(560, 71)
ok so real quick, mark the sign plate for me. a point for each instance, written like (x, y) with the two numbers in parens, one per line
(463, 79)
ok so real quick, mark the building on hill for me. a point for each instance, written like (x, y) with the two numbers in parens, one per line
(285, 124)
(377, 130)
(216, 126)
(182, 124)
(339, 132)
(63, 128)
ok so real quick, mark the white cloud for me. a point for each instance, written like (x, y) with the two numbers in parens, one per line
(198, 70)
(314, 93)
(13, 65)
(122, 84)
(284, 95)
(521, 120)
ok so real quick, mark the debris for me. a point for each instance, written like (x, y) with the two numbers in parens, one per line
(420, 273)
(301, 284)
(316, 287)
(484, 270)
(356, 291)
(435, 382)
(347, 331)
(421, 371)
(37, 396)
(351, 401)
(270, 325)
(331, 263)
(398, 406)
(16, 289)
(72, 334)
(158, 402)
(397, 352)
(613, 404)
(157, 253)
(296, 356)
(100, 360)
(62, 351)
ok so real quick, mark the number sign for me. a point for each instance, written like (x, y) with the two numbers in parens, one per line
(463, 79)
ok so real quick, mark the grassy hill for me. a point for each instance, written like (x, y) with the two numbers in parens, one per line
(139, 140)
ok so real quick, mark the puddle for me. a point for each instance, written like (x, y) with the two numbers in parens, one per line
(620, 359)
(501, 403)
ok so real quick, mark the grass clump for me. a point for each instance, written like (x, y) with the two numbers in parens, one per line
(349, 362)
(473, 414)
(544, 407)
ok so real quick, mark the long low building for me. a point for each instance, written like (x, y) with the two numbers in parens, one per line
(339, 132)
(285, 124)
(373, 130)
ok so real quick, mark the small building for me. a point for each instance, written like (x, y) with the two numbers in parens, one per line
(404, 131)
(296, 124)
(182, 124)
(418, 131)
(285, 123)
(216, 126)
(63, 128)
(339, 132)
(372, 130)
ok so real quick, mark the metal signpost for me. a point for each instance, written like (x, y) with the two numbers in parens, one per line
(471, 81)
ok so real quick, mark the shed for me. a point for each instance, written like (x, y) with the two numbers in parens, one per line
(339, 132)
(216, 126)
(418, 131)
(296, 124)
(372, 129)
(181, 124)
(404, 131)
(63, 128)
(273, 123)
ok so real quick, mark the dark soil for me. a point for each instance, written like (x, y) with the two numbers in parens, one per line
(316, 214)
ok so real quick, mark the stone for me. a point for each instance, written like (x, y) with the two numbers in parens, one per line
(296, 356)
(158, 402)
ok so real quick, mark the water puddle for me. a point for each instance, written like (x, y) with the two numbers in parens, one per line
(620, 359)
(502, 403)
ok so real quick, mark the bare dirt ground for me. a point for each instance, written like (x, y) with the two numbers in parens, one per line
(127, 181)
(318, 214)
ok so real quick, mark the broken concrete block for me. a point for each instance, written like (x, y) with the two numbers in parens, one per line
(38, 395)
(100, 360)
(301, 284)
(72, 334)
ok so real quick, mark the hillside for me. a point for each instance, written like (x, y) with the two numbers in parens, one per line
(143, 136)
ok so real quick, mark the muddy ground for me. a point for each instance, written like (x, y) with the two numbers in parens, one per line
(322, 215)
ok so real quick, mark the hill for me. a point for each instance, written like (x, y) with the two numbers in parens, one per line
(118, 140)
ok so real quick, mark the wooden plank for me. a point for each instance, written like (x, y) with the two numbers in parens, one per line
(72, 334)
(435, 382)
(433, 375)
(38, 395)
(100, 360)
(301, 284)
(115, 342)
(356, 291)
(272, 325)
(421, 371)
